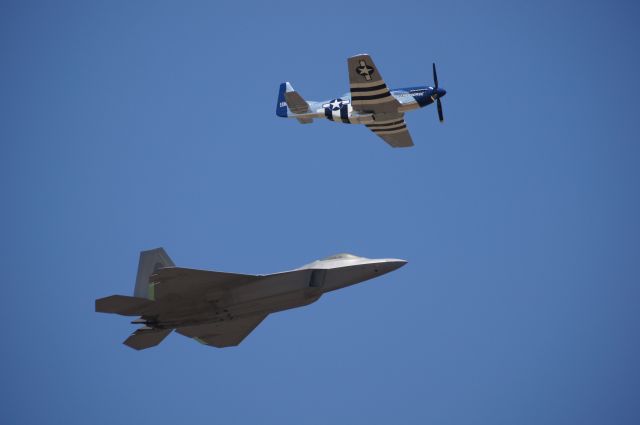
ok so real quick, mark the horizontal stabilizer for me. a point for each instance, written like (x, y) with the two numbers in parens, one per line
(146, 337)
(296, 103)
(124, 305)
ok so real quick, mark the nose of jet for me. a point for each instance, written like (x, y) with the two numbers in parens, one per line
(392, 264)
(441, 92)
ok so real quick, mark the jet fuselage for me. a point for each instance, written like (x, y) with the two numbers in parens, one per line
(220, 309)
(276, 292)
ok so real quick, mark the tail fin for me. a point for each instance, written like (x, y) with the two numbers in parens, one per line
(150, 261)
(290, 100)
(281, 107)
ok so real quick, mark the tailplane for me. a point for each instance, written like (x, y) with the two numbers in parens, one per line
(290, 100)
(124, 305)
(142, 303)
(146, 337)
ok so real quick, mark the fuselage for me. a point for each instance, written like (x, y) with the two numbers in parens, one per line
(280, 291)
(220, 309)
(340, 109)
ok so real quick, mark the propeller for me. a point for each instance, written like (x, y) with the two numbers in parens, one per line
(436, 95)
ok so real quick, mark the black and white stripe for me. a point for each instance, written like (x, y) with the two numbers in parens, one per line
(341, 115)
(328, 113)
(344, 114)
(388, 126)
(370, 93)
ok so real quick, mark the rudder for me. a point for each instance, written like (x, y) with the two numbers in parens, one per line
(281, 107)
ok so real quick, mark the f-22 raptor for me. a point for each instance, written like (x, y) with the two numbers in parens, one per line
(370, 102)
(220, 309)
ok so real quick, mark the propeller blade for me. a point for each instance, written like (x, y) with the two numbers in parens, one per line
(440, 116)
(435, 76)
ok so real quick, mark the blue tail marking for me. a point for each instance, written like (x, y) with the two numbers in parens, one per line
(281, 107)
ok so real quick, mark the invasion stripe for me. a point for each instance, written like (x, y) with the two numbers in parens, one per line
(364, 89)
(385, 130)
(389, 124)
(371, 97)
(387, 121)
(370, 92)
(367, 85)
(344, 114)
(328, 113)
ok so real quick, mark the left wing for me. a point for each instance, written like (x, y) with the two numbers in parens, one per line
(369, 92)
(223, 334)
(392, 129)
(193, 283)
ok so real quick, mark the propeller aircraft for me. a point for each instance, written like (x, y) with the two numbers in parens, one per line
(370, 102)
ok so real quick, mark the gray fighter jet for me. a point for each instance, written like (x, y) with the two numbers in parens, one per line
(220, 309)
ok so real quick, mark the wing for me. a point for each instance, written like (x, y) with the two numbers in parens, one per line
(192, 283)
(393, 130)
(223, 334)
(369, 93)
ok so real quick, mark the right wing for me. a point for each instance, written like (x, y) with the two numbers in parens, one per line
(392, 129)
(223, 334)
(369, 92)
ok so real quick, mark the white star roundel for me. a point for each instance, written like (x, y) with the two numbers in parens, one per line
(335, 104)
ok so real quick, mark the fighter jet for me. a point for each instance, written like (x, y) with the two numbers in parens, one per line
(370, 102)
(220, 309)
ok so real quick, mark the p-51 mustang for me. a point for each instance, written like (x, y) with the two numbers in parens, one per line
(370, 102)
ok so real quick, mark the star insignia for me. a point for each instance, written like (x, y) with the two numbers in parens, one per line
(365, 70)
(335, 104)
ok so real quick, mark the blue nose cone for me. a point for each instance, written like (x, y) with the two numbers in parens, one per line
(441, 92)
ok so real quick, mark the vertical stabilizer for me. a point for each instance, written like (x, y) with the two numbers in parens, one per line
(150, 261)
(281, 107)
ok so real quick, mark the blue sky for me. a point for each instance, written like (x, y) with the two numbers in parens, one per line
(131, 125)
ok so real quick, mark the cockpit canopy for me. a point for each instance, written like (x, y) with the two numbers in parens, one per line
(343, 256)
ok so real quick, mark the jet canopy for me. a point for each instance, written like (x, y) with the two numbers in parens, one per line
(343, 256)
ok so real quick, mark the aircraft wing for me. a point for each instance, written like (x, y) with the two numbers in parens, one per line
(369, 92)
(223, 334)
(192, 283)
(392, 129)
